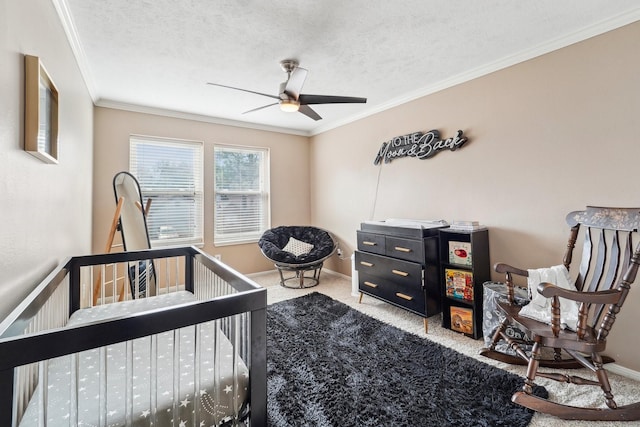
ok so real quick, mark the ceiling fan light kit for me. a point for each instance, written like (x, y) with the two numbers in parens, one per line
(289, 96)
(289, 105)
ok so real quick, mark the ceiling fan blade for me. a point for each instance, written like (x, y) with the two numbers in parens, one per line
(307, 111)
(260, 108)
(329, 99)
(295, 82)
(245, 90)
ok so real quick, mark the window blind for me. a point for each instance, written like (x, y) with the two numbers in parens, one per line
(241, 187)
(170, 172)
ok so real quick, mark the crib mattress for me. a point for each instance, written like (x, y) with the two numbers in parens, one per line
(172, 378)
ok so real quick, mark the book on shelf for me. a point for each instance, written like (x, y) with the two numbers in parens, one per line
(459, 284)
(461, 319)
(460, 253)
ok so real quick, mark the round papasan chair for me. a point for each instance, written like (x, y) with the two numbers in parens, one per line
(298, 249)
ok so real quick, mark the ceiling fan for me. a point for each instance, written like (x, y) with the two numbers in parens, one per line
(289, 96)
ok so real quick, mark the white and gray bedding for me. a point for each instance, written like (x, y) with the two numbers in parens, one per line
(173, 377)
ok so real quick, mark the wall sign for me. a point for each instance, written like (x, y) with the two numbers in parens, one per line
(419, 145)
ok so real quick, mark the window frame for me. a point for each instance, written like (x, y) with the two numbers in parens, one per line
(197, 193)
(264, 192)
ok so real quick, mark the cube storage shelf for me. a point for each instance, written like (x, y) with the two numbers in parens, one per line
(465, 266)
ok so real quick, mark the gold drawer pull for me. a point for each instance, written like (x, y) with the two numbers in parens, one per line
(403, 296)
(400, 273)
(367, 243)
(401, 249)
(371, 285)
(366, 264)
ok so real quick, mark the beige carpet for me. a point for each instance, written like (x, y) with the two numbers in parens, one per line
(339, 288)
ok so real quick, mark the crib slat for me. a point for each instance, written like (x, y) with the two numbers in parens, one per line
(241, 332)
(43, 395)
(23, 388)
(234, 339)
(153, 374)
(102, 374)
(197, 348)
(73, 410)
(216, 367)
(103, 282)
(115, 290)
(176, 375)
(128, 397)
(177, 276)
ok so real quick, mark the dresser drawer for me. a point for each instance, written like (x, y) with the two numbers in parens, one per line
(408, 297)
(371, 242)
(367, 263)
(392, 269)
(410, 250)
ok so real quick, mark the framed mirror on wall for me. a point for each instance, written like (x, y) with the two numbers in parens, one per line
(40, 112)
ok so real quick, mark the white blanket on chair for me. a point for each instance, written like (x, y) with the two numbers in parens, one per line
(540, 307)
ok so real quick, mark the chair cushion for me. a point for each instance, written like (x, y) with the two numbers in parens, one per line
(297, 247)
(273, 242)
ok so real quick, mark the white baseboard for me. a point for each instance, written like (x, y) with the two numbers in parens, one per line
(261, 273)
(335, 273)
(621, 370)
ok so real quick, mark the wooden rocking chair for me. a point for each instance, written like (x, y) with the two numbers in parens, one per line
(607, 269)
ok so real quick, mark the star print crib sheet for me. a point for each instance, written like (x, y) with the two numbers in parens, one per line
(157, 380)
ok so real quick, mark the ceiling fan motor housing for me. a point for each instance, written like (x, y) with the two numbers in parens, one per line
(282, 93)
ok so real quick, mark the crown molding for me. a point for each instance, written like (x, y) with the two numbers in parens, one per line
(196, 117)
(62, 8)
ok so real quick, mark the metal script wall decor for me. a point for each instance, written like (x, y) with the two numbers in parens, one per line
(418, 144)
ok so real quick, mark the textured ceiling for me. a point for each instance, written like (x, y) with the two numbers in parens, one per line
(159, 54)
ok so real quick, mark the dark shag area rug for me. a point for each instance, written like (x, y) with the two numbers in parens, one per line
(331, 365)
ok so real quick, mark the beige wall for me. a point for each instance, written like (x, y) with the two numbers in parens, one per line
(45, 210)
(289, 166)
(547, 136)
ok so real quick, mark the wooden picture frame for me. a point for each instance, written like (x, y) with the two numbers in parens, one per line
(40, 112)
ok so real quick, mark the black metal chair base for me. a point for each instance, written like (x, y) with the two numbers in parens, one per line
(301, 280)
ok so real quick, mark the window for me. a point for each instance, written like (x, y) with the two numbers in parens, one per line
(170, 173)
(241, 190)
